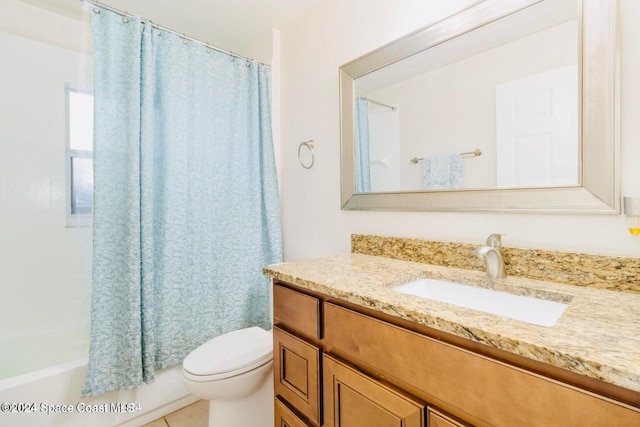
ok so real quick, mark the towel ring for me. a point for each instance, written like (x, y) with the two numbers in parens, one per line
(309, 145)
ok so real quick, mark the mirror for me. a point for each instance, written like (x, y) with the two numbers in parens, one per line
(502, 106)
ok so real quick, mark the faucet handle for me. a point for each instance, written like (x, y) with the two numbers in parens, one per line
(495, 240)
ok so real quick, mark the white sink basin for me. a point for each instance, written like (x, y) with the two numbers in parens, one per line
(528, 309)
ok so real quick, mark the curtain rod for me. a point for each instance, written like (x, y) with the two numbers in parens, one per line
(391, 107)
(169, 30)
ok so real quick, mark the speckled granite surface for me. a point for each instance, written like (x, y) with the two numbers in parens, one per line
(596, 271)
(597, 335)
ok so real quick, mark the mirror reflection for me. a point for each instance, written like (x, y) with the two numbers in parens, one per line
(496, 107)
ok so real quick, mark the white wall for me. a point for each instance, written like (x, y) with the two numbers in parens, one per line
(337, 31)
(45, 268)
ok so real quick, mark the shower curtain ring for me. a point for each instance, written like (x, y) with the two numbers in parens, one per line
(309, 144)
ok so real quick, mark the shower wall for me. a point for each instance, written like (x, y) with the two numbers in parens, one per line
(45, 267)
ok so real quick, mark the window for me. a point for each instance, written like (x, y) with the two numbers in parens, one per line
(79, 157)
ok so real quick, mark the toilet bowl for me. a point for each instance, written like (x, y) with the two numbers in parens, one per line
(234, 373)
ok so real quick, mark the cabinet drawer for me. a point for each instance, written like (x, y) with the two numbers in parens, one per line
(296, 366)
(436, 419)
(352, 399)
(465, 383)
(297, 311)
(285, 417)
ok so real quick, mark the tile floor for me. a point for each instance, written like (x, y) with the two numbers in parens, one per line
(194, 415)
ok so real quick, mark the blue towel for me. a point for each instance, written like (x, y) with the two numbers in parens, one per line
(442, 172)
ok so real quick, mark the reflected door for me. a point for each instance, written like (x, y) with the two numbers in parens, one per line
(536, 130)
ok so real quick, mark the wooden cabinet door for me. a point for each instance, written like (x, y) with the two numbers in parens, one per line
(296, 369)
(285, 417)
(352, 399)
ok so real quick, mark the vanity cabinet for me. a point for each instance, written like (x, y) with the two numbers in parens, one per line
(340, 365)
(297, 354)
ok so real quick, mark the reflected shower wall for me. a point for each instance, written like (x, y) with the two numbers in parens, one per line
(384, 148)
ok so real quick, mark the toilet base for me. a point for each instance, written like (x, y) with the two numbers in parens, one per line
(255, 410)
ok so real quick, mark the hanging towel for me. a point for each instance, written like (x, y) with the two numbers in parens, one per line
(442, 172)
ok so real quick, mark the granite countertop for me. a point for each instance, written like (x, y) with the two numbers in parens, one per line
(598, 335)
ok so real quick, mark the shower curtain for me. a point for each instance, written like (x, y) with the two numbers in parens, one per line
(186, 209)
(362, 157)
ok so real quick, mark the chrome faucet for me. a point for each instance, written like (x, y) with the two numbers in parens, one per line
(493, 260)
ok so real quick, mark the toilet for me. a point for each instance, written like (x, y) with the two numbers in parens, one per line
(234, 372)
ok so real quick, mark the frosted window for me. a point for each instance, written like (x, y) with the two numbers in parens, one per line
(80, 121)
(79, 157)
(81, 186)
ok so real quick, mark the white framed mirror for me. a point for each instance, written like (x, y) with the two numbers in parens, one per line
(507, 105)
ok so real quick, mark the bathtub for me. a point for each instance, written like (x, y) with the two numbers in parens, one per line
(57, 390)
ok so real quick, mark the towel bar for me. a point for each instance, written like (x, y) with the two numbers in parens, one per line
(475, 153)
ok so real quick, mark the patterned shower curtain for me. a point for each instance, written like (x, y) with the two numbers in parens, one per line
(186, 209)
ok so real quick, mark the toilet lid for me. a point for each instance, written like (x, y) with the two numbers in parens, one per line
(233, 353)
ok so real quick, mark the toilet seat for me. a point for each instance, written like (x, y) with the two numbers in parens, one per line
(229, 355)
